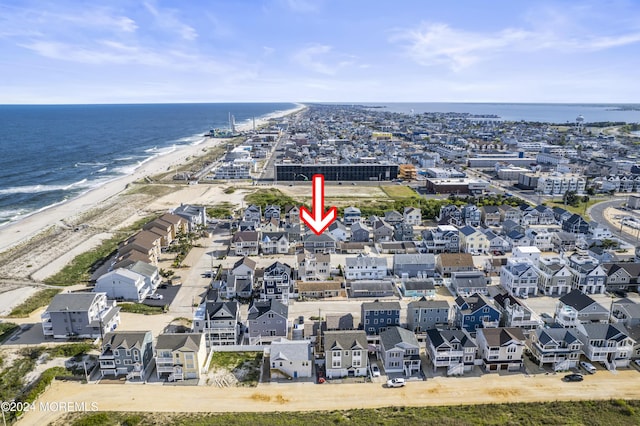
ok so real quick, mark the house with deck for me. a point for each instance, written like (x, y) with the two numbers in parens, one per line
(474, 312)
(426, 314)
(500, 348)
(399, 351)
(557, 347)
(180, 356)
(126, 353)
(290, 359)
(84, 315)
(453, 350)
(346, 353)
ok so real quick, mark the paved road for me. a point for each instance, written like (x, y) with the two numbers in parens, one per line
(489, 388)
(596, 212)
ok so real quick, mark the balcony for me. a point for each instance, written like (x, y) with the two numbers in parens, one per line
(107, 365)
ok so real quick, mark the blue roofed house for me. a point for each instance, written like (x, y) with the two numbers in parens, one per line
(378, 316)
(399, 351)
(277, 282)
(475, 312)
(471, 215)
(454, 350)
(473, 241)
(576, 225)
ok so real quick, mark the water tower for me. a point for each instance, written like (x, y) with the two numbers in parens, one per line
(579, 123)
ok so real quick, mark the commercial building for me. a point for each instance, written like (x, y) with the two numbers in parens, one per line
(337, 172)
(456, 186)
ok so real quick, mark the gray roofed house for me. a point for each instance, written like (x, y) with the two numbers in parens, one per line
(559, 347)
(194, 215)
(377, 316)
(180, 356)
(365, 267)
(266, 320)
(425, 314)
(454, 350)
(339, 321)
(346, 353)
(126, 352)
(576, 307)
(150, 273)
(219, 321)
(372, 288)
(469, 282)
(360, 233)
(418, 287)
(80, 315)
(501, 348)
(610, 344)
(414, 265)
(399, 351)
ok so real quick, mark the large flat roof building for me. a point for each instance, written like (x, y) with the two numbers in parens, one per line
(337, 172)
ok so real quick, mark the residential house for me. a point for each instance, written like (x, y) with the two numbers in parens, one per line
(180, 356)
(490, 215)
(126, 352)
(266, 320)
(447, 263)
(509, 225)
(240, 278)
(245, 243)
(290, 359)
(293, 232)
(501, 348)
(418, 287)
(292, 214)
(519, 277)
(393, 217)
(609, 344)
(352, 215)
(454, 350)
(382, 231)
(469, 282)
(576, 225)
(509, 213)
(545, 215)
(277, 282)
(272, 211)
(622, 275)
(253, 214)
(147, 243)
(473, 241)
(529, 215)
(323, 243)
(360, 233)
(80, 315)
(530, 253)
(320, 289)
(497, 243)
(123, 284)
(564, 241)
(515, 314)
(346, 353)
(339, 231)
(167, 227)
(149, 273)
(271, 226)
(449, 214)
(364, 267)
(399, 351)
(426, 314)
(377, 316)
(443, 239)
(313, 266)
(418, 265)
(588, 275)
(471, 215)
(560, 214)
(218, 321)
(557, 346)
(274, 243)
(576, 307)
(196, 216)
(516, 238)
(403, 232)
(540, 238)
(554, 276)
(412, 216)
(474, 312)
(598, 232)
(372, 288)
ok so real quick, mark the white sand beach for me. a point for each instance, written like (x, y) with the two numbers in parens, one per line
(15, 233)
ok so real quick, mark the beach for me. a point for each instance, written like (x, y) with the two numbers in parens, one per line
(39, 245)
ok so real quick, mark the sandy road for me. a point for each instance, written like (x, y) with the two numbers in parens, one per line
(306, 397)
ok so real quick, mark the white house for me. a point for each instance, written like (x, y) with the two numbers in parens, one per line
(500, 348)
(123, 284)
(364, 267)
(290, 359)
(519, 277)
(412, 216)
(527, 252)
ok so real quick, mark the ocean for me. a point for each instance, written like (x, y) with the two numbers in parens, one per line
(52, 153)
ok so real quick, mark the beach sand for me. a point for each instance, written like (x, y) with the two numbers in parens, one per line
(41, 244)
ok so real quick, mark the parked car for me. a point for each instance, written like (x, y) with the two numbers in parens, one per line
(637, 362)
(588, 367)
(155, 296)
(375, 370)
(573, 378)
(396, 383)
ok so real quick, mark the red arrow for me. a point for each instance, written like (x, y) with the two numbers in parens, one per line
(319, 221)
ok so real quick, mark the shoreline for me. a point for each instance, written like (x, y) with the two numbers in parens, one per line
(30, 226)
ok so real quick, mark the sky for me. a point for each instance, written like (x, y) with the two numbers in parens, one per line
(122, 51)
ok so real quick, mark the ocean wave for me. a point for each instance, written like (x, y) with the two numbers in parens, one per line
(104, 169)
(97, 164)
(34, 189)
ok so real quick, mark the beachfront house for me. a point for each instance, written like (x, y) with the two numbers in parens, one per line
(80, 315)
(425, 314)
(180, 356)
(126, 353)
(453, 350)
(123, 284)
(345, 353)
(290, 359)
(266, 321)
(500, 348)
(399, 351)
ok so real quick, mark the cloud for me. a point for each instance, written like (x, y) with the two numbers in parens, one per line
(304, 6)
(308, 58)
(440, 44)
(168, 20)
